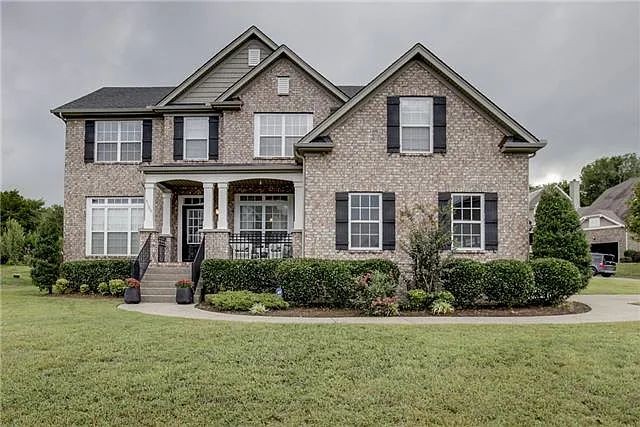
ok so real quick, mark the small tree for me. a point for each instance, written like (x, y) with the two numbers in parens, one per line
(424, 244)
(12, 243)
(633, 217)
(557, 233)
(47, 251)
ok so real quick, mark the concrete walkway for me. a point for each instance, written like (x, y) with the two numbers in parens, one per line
(604, 308)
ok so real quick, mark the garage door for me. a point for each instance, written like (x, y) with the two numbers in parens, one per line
(610, 248)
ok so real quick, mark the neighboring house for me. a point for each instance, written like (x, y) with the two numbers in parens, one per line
(603, 221)
(261, 156)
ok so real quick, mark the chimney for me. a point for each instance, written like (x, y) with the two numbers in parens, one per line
(574, 193)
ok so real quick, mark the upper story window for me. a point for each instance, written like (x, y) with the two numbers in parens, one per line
(275, 134)
(196, 138)
(254, 57)
(365, 221)
(283, 85)
(119, 141)
(416, 125)
(113, 224)
(467, 221)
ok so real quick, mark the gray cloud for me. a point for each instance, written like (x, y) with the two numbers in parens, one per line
(569, 72)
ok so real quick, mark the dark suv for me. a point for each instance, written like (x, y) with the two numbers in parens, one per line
(603, 264)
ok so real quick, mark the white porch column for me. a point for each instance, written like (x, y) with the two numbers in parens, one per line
(207, 219)
(222, 205)
(166, 214)
(298, 221)
(149, 190)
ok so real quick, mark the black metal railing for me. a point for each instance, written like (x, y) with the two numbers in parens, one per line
(258, 246)
(140, 264)
(162, 249)
(195, 265)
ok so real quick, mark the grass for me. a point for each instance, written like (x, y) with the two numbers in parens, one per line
(628, 270)
(81, 361)
(599, 285)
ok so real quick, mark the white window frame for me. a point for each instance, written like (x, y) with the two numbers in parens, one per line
(282, 84)
(594, 222)
(461, 221)
(283, 135)
(429, 101)
(255, 62)
(118, 142)
(106, 206)
(263, 202)
(360, 221)
(184, 138)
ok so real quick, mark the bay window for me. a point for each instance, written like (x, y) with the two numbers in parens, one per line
(113, 224)
(275, 134)
(118, 141)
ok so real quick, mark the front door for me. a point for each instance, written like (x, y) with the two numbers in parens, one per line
(192, 216)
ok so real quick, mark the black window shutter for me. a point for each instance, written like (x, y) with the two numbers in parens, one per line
(439, 124)
(491, 221)
(89, 140)
(178, 137)
(393, 124)
(444, 215)
(147, 129)
(214, 122)
(389, 221)
(342, 221)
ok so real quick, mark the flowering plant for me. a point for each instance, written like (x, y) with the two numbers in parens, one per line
(132, 283)
(387, 306)
(184, 283)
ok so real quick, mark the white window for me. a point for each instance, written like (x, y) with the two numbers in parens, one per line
(254, 57)
(416, 125)
(275, 134)
(365, 221)
(265, 215)
(118, 141)
(283, 85)
(112, 226)
(196, 138)
(594, 222)
(467, 221)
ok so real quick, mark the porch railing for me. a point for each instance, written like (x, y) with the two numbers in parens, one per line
(195, 270)
(259, 246)
(140, 264)
(162, 249)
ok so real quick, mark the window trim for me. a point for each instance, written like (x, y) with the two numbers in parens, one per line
(118, 143)
(184, 138)
(89, 224)
(429, 99)
(380, 221)
(481, 222)
(263, 202)
(254, 49)
(283, 136)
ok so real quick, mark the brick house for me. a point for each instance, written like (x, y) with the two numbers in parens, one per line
(257, 155)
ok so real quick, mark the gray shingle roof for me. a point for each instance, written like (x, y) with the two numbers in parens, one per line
(613, 200)
(119, 97)
(350, 91)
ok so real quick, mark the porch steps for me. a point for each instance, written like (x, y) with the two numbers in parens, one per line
(158, 283)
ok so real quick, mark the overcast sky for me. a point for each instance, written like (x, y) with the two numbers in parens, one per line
(569, 72)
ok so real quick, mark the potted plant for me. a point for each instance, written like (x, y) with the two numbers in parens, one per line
(184, 292)
(132, 292)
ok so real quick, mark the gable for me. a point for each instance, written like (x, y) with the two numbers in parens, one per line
(599, 221)
(224, 75)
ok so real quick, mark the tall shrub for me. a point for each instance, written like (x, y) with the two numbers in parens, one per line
(633, 217)
(423, 244)
(557, 233)
(47, 251)
(12, 242)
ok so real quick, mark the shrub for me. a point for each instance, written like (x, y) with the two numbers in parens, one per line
(440, 307)
(12, 242)
(464, 278)
(633, 256)
(555, 280)
(387, 307)
(61, 286)
(310, 282)
(508, 282)
(103, 288)
(359, 267)
(244, 300)
(85, 289)
(47, 250)
(557, 233)
(626, 259)
(117, 287)
(93, 272)
(237, 275)
(258, 308)
(416, 300)
(373, 286)
(444, 296)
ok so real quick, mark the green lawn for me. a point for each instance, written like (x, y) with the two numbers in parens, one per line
(599, 285)
(630, 270)
(68, 360)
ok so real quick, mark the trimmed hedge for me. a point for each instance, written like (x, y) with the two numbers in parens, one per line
(555, 280)
(509, 282)
(244, 300)
(464, 278)
(305, 281)
(93, 272)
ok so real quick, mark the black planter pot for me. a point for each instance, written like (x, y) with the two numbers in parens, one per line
(132, 295)
(184, 296)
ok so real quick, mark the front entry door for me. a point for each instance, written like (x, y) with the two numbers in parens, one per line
(192, 216)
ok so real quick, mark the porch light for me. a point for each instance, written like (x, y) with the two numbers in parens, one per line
(217, 212)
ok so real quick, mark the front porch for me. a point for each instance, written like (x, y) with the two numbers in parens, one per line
(227, 212)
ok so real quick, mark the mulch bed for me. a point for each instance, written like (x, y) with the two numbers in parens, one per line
(570, 307)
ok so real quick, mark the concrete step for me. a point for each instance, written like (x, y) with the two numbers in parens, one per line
(164, 275)
(158, 282)
(144, 291)
(173, 272)
(158, 298)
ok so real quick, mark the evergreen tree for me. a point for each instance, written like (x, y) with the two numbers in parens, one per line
(47, 251)
(633, 217)
(558, 234)
(12, 243)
